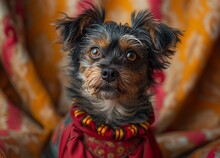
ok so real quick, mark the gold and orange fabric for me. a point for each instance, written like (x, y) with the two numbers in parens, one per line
(32, 79)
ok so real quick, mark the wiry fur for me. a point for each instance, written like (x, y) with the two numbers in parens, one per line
(126, 100)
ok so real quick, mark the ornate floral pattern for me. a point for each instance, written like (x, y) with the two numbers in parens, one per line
(186, 101)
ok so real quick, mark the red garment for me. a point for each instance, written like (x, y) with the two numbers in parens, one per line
(73, 139)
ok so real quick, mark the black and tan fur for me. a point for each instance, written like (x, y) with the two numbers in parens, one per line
(127, 98)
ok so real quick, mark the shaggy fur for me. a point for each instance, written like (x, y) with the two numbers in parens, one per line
(132, 52)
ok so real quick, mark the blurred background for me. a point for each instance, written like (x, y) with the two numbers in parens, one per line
(32, 75)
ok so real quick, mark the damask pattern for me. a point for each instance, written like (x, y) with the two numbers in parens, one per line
(187, 96)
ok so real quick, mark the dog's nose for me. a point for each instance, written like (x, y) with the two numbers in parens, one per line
(109, 74)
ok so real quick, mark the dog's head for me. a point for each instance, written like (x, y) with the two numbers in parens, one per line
(113, 63)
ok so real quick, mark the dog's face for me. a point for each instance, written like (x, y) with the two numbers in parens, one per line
(115, 62)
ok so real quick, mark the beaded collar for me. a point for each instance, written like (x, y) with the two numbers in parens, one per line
(123, 133)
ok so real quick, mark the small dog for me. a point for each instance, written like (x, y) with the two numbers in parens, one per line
(112, 68)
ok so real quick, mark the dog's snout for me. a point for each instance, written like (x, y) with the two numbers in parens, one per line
(109, 74)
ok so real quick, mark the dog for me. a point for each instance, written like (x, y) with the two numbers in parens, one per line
(111, 73)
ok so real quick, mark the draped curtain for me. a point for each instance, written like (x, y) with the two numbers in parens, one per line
(32, 75)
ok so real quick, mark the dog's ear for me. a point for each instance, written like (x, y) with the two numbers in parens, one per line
(163, 39)
(72, 29)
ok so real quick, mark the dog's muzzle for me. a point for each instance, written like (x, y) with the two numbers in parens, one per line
(109, 74)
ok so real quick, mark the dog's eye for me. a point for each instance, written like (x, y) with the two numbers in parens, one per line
(131, 56)
(95, 53)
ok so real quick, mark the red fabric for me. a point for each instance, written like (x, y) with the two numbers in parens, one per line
(155, 7)
(13, 124)
(213, 153)
(159, 77)
(8, 45)
(71, 143)
(116, 149)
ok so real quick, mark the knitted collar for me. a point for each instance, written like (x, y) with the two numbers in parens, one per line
(126, 132)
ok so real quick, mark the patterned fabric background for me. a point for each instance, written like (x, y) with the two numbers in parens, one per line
(32, 77)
